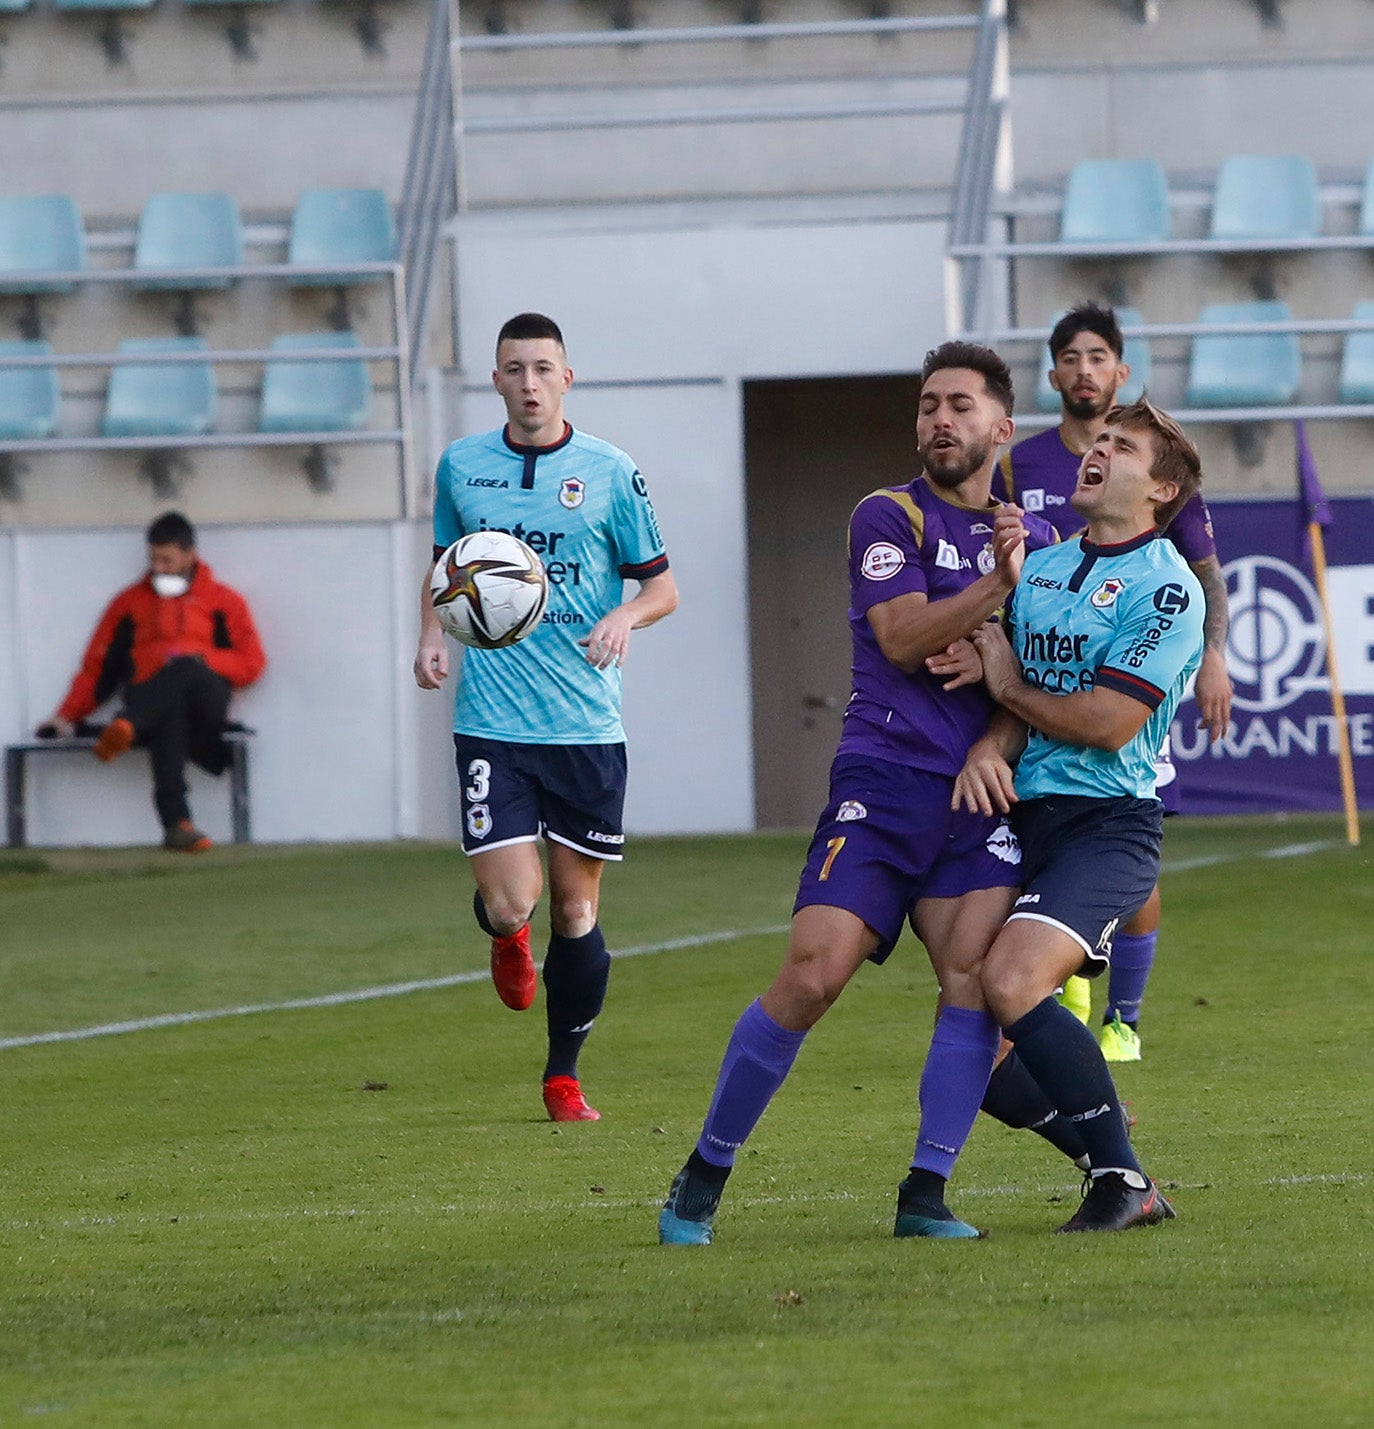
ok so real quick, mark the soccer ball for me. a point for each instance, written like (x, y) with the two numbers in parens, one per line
(489, 590)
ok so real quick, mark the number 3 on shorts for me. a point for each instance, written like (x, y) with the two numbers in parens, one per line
(835, 845)
(479, 775)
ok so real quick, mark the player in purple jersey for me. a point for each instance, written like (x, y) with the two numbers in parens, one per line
(889, 847)
(1040, 474)
(1107, 631)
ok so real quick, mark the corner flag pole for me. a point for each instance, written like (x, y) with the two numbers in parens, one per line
(1347, 766)
(1318, 515)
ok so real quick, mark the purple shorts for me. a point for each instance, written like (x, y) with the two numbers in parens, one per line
(888, 838)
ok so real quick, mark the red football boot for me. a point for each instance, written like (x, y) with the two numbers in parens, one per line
(512, 969)
(563, 1100)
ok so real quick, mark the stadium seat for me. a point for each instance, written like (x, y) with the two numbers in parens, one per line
(178, 230)
(30, 399)
(154, 400)
(103, 4)
(341, 226)
(327, 396)
(1266, 196)
(1116, 201)
(38, 235)
(1240, 370)
(1136, 356)
(14, 7)
(1357, 361)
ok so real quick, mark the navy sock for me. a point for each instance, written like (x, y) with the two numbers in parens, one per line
(757, 1059)
(1064, 1058)
(1133, 955)
(953, 1082)
(1015, 1099)
(576, 971)
(479, 911)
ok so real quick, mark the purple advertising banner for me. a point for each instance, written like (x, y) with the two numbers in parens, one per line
(1280, 752)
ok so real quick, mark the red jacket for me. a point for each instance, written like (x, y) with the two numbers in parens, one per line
(141, 630)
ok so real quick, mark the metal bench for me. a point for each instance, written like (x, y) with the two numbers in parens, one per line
(16, 771)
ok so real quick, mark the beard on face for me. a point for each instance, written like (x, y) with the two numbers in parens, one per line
(956, 465)
(1084, 409)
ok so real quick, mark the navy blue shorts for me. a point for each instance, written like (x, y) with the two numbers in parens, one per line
(1088, 865)
(888, 837)
(573, 794)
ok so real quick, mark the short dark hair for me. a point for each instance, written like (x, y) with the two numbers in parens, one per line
(1087, 317)
(172, 529)
(1176, 458)
(996, 373)
(524, 326)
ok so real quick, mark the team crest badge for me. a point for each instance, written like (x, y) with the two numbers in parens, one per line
(479, 821)
(572, 492)
(850, 810)
(987, 562)
(1105, 595)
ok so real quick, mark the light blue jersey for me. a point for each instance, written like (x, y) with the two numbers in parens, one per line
(1127, 617)
(582, 507)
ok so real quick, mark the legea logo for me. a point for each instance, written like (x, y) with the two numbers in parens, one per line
(1276, 650)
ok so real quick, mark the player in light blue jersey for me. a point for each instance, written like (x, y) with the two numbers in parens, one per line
(537, 731)
(1104, 633)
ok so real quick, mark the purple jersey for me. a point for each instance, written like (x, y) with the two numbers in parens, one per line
(908, 539)
(1040, 474)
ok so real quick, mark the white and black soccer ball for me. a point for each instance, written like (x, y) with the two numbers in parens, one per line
(489, 590)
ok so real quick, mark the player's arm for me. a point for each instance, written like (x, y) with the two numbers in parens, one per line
(431, 658)
(986, 783)
(911, 628)
(609, 640)
(1213, 687)
(1100, 718)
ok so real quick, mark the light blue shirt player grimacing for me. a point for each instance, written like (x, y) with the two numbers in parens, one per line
(583, 508)
(1126, 617)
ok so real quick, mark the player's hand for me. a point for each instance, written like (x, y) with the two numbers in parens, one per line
(1212, 691)
(958, 664)
(56, 728)
(609, 642)
(986, 784)
(1009, 541)
(1001, 668)
(431, 661)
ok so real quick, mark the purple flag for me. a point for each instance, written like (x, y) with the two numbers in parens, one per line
(1316, 508)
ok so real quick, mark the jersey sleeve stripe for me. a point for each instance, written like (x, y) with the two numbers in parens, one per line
(645, 569)
(1149, 695)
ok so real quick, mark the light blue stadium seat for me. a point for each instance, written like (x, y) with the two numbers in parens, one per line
(1116, 201)
(328, 396)
(103, 4)
(14, 7)
(39, 234)
(1357, 362)
(341, 226)
(1239, 370)
(156, 400)
(178, 230)
(1136, 357)
(1266, 196)
(30, 400)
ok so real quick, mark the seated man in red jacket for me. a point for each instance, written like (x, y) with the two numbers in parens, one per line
(177, 642)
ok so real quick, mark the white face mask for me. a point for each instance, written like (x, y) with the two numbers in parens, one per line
(169, 586)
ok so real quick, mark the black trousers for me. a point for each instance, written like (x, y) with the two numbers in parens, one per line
(179, 714)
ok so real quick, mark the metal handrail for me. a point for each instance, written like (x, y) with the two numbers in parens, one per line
(1320, 411)
(1236, 329)
(203, 356)
(705, 34)
(1124, 249)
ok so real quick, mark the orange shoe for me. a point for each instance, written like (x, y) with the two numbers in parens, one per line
(512, 969)
(185, 837)
(115, 739)
(563, 1100)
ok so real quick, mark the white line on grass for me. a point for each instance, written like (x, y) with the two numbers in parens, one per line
(361, 994)
(402, 989)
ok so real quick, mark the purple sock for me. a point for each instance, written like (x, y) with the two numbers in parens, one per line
(953, 1084)
(1133, 955)
(757, 1058)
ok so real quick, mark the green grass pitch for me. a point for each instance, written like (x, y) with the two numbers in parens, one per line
(357, 1215)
